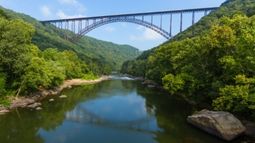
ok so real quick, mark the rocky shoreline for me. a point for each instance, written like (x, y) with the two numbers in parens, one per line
(249, 126)
(33, 100)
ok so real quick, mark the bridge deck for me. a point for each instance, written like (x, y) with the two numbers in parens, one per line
(134, 14)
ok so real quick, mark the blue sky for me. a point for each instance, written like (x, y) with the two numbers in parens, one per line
(121, 33)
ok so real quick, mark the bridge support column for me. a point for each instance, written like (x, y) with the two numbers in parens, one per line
(161, 21)
(181, 21)
(171, 23)
(193, 17)
(205, 13)
(151, 19)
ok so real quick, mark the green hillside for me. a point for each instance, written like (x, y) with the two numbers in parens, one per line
(229, 8)
(34, 57)
(101, 56)
(214, 66)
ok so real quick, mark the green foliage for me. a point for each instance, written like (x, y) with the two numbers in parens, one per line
(215, 66)
(220, 64)
(68, 61)
(232, 98)
(25, 68)
(100, 56)
(132, 67)
(2, 84)
(42, 74)
(89, 76)
(14, 46)
(173, 83)
(4, 101)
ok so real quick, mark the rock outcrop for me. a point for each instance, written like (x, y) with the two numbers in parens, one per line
(34, 105)
(219, 123)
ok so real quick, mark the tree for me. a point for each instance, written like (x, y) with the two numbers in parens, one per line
(15, 45)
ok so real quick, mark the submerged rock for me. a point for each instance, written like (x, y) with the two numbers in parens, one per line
(34, 105)
(148, 82)
(63, 96)
(54, 92)
(22, 102)
(4, 111)
(51, 100)
(151, 86)
(38, 108)
(219, 123)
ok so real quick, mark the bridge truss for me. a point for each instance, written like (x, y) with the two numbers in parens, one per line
(160, 22)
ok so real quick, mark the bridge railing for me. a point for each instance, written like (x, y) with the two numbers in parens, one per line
(161, 22)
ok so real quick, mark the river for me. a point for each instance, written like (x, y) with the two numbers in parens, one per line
(113, 111)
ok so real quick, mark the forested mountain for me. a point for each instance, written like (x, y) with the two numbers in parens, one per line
(101, 56)
(228, 8)
(35, 57)
(214, 66)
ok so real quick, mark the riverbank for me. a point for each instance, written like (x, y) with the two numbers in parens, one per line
(249, 134)
(33, 100)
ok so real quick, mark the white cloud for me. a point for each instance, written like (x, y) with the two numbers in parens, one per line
(109, 29)
(151, 35)
(46, 11)
(68, 1)
(63, 15)
(147, 34)
(72, 6)
(78, 7)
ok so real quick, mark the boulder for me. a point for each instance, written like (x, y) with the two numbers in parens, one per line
(22, 102)
(53, 92)
(34, 105)
(45, 93)
(219, 123)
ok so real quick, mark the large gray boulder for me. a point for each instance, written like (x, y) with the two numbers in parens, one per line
(219, 123)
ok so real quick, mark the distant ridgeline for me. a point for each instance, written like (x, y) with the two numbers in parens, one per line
(102, 56)
(212, 62)
(34, 57)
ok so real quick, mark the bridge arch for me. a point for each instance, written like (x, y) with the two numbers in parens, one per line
(76, 25)
(128, 20)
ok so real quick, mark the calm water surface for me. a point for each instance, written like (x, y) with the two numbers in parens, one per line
(114, 111)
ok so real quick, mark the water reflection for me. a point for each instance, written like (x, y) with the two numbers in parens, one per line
(110, 112)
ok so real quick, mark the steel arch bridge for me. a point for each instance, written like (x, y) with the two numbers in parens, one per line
(152, 20)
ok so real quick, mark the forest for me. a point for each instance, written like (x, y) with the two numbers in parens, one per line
(214, 67)
(34, 56)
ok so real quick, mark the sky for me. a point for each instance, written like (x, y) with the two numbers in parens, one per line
(120, 33)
